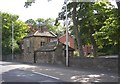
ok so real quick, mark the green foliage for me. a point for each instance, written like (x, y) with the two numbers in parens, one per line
(49, 23)
(20, 29)
(105, 27)
(76, 53)
(108, 33)
(98, 25)
(29, 3)
(31, 22)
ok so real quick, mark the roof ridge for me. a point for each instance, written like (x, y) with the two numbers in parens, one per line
(52, 33)
(36, 32)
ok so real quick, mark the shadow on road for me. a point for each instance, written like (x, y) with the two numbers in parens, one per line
(17, 75)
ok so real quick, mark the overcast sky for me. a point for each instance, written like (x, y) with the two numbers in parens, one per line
(39, 9)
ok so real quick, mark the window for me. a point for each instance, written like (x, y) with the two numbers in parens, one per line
(42, 43)
(28, 43)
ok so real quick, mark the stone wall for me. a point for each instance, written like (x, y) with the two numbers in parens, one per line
(53, 57)
(107, 64)
(44, 57)
(56, 56)
(16, 57)
(60, 55)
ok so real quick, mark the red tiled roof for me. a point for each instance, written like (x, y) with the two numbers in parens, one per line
(62, 39)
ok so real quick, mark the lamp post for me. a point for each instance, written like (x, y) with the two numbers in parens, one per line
(67, 57)
(12, 40)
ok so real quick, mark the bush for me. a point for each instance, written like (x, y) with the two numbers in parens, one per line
(76, 53)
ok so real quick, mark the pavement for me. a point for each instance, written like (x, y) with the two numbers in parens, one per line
(17, 72)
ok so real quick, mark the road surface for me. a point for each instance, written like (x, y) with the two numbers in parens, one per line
(18, 72)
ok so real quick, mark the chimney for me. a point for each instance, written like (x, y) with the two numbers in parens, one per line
(44, 29)
(31, 29)
(65, 32)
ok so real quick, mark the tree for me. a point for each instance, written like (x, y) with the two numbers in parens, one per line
(29, 3)
(57, 29)
(95, 19)
(20, 30)
(76, 28)
(73, 14)
(31, 22)
(77, 11)
(92, 21)
(48, 23)
(108, 33)
(118, 4)
(88, 20)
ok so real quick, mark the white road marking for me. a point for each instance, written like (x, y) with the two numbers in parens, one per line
(47, 75)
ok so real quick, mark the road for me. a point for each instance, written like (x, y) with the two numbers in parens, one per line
(18, 72)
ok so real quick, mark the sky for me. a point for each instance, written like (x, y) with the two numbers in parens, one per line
(39, 9)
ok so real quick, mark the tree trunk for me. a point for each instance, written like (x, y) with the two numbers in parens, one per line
(75, 22)
(118, 35)
(118, 4)
(93, 42)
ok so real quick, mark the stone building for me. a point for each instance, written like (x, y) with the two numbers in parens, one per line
(52, 53)
(55, 51)
(34, 41)
(45, 47)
